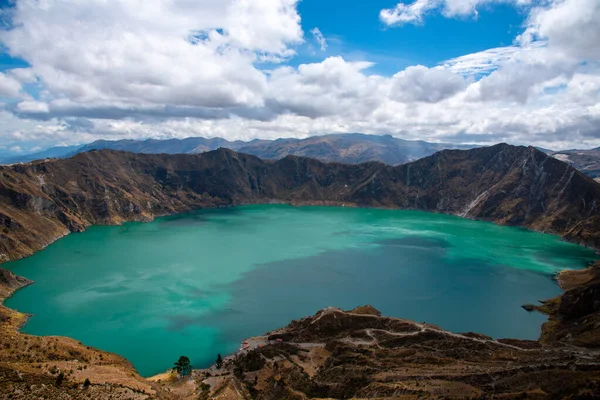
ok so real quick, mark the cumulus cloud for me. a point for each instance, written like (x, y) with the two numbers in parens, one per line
(9, 87)
(560, 41)
(135, 54)
(23, 75)
(408, 13)
(570, 26)
(420, 83)
(139, 69)
(331, 87)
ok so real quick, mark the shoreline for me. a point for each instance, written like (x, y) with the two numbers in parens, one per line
(565, 279)
(341, 204)
(568, 279)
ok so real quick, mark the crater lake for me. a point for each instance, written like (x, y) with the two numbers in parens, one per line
(197, 284)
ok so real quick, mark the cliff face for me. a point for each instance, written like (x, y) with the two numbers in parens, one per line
(42, 201)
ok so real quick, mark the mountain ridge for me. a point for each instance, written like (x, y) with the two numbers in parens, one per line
(45, 200)
(345, 147)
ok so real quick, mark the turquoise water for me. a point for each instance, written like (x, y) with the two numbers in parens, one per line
(197, 284)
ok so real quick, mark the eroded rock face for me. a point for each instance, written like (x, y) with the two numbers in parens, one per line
(575, 315)
(43, 201)
(10, 281)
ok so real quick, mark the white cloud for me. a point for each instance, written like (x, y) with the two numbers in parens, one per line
(408, 13)
(570, 26)
(559, 42)
(134, 53)
(138, 69)
(415, 12)
(420, 83)
(23, 75)
(524, 75)
(332, 87)
(319, 38)
(33, 107)
(9, 87)
(487, 61)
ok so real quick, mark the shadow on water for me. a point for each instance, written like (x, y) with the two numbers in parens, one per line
(419, 284)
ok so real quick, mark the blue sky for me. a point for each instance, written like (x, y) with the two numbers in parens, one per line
(476, 71)
(342, 22)
(356, 37)
(9, 62)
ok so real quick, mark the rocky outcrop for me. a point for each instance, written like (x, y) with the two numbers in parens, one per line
(574, 317)
(45, 367)
(341, 355)
(43, 201)
(9, 282)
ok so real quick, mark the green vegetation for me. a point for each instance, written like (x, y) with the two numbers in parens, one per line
(59, 379)
(183, 366)
(219, 361)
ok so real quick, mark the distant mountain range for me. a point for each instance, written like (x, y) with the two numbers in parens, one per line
(53, 152)
(351, 148)
(347, 148)
(587, 161)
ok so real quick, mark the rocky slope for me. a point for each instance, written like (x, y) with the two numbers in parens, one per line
(359, 354)
(575, 316)
(45, 367)
(43, 201)
(350, 148)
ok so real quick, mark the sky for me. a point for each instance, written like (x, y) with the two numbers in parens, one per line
(456, 71)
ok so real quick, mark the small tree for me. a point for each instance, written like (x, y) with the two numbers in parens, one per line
(219, 361)
(59, 379)
(183, 366)
(86, 383)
